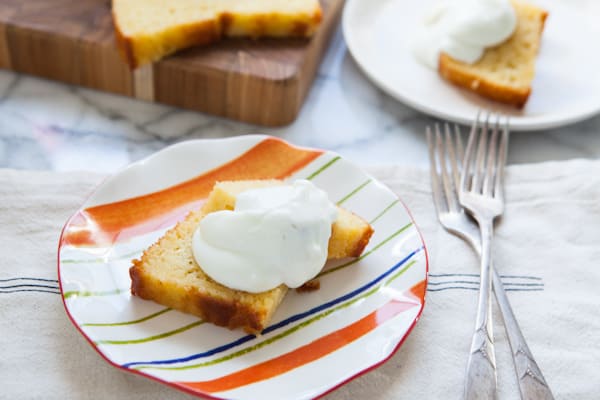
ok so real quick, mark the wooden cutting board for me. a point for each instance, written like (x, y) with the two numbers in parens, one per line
(258, 81)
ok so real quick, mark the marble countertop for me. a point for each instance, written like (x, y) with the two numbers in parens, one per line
(46, 125)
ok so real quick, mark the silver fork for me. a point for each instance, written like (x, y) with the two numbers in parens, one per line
(451, 215)
(481, 194)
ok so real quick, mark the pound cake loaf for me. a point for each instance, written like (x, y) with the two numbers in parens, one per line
(168, 274)
(147, 30)
(505, 72)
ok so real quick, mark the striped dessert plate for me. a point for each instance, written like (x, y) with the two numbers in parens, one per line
(316, 342)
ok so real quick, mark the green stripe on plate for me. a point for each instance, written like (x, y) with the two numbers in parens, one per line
(151, 338)
(397, 274)
(87, 293)
(352, 193)
(323, 168)
(136, 321)
(384, 211)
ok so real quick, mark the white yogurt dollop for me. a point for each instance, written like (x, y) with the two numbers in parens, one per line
(463, 29)
(276, 235)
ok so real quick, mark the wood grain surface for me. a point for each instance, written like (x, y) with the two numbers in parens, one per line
(262, 81)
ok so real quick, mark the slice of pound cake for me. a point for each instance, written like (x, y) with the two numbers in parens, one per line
(168, 273)
(147, 30)
(505, 72)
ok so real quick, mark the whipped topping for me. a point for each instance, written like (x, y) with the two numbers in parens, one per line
(275, 235)
(463, 29)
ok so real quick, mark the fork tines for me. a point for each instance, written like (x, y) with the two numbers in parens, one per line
(439, 165)
(447, 159)
(481, 175)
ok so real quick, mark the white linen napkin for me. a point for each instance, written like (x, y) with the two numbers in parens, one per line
(547, 250)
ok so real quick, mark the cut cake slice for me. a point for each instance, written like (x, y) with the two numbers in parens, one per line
(167, 272)
(147, 30)
(505, 72)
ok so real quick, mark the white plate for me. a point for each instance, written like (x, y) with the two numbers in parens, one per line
(566, 87)
(316, 341)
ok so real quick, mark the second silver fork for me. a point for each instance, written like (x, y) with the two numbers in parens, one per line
(532, 384)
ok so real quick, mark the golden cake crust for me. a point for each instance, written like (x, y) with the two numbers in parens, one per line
(504, 73)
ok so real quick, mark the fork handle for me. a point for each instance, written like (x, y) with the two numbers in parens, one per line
(481, 367)
(532, 384)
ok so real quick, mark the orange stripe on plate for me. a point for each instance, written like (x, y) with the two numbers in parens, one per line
(418, 290)
(302, 355)
(105, 224)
